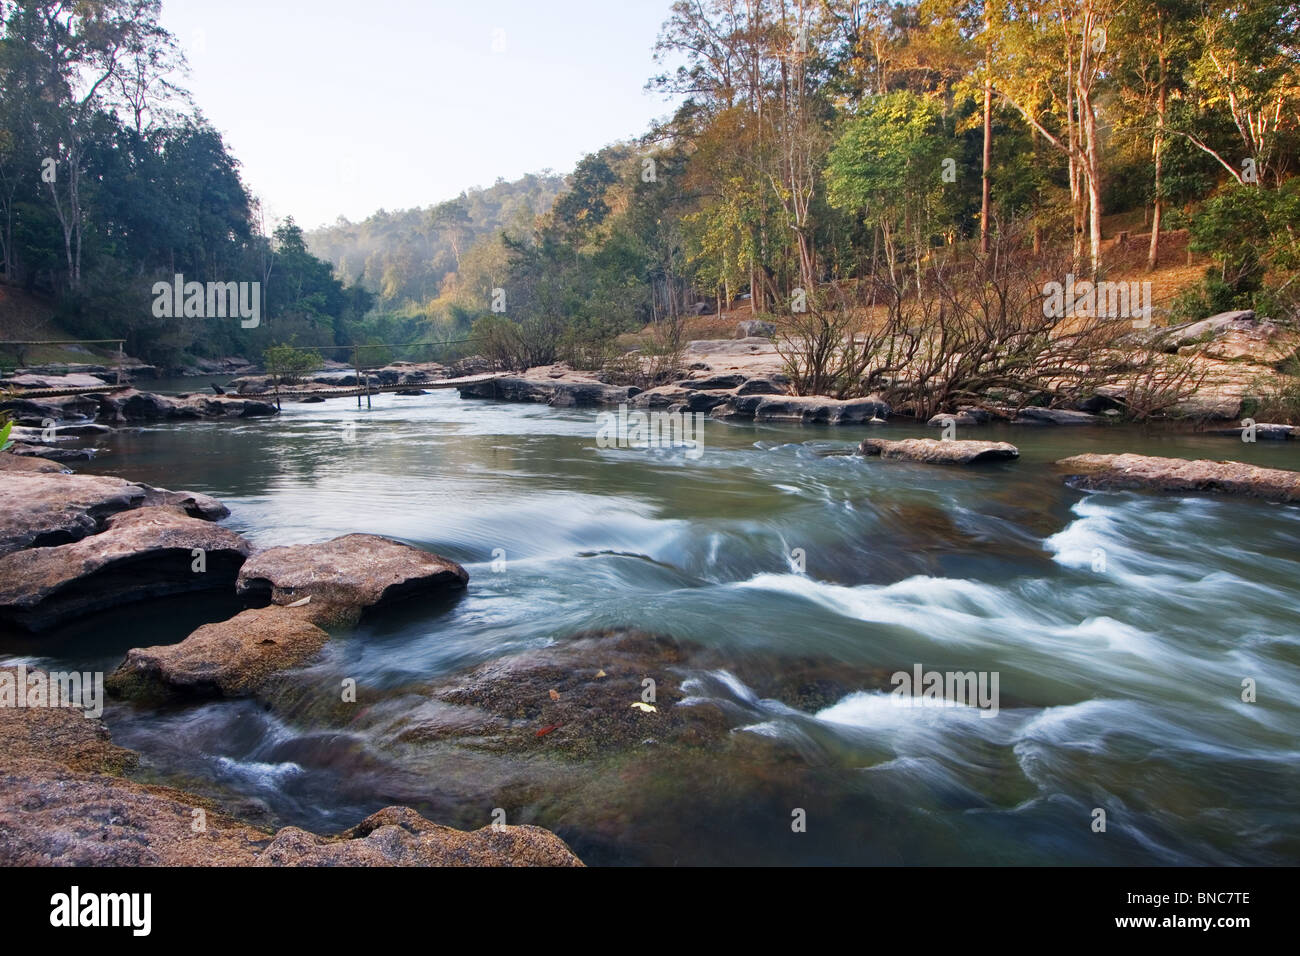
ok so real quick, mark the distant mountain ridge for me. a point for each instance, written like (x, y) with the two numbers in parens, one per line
(404, 256)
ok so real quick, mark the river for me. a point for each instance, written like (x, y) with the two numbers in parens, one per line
(1121, 628)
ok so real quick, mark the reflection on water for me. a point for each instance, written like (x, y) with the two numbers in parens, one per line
(1122, 627)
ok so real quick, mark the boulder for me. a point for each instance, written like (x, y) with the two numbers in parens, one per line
(44, 509)
(355, 571)
(29, 464)
(662, 396)
(559, 393)
(37, 411)
(141, 554)
(226, 659)
(714, 382)
(763, 386)
(1179, 475)
(1055, 416)
(934, 452)
(398, 836)
(72, 380)
(806, 409)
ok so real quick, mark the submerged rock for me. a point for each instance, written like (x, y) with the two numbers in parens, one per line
(145, 553)
(63, 802)
(934, 452)
(1145, 472)
(354, 571)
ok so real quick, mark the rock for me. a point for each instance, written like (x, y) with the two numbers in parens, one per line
(562, 394)
(355, 571)
(1194, 332)
(134, 406)
(63, 802)
(398, 836)
(29, 464)
(63, 735)
(51, 452)
(755, 328)
(1054, 416)
(311, 400)
(411, 391)
(714, 382)
(1264, 431)
(141, 554)
(1145, 472)
(806, 409)
(44, 509)
(761, 386)
(72, 380)
(226, 659)
(37, 411)
(965, 416)
(663, 396)
(934, 452)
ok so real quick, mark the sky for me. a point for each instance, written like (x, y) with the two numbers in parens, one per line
(340, 107)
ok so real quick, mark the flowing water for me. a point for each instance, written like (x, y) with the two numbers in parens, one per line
(1121, 628)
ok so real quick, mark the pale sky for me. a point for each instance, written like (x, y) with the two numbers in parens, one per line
(343, 107)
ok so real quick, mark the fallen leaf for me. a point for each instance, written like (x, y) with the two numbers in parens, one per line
(306, 600)
(601, 674)
(645, 708)
(555, 695)
(547, 729)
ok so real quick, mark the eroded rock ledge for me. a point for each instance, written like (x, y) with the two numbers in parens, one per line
(312, 587)
(1180, 475)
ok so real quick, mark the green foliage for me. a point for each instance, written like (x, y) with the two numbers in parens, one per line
(288, 365)
(5, 443)
(1253, 233)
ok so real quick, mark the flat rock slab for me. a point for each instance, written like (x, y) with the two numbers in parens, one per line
(805, 409)
(934, 452)
(45, 508)
(39, 509)
(354, 571)
(398, 836)
(142, 554)
(29, 464)
(1179, 475)
(226, 659)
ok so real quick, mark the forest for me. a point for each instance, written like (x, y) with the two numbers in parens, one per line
(875, 177)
